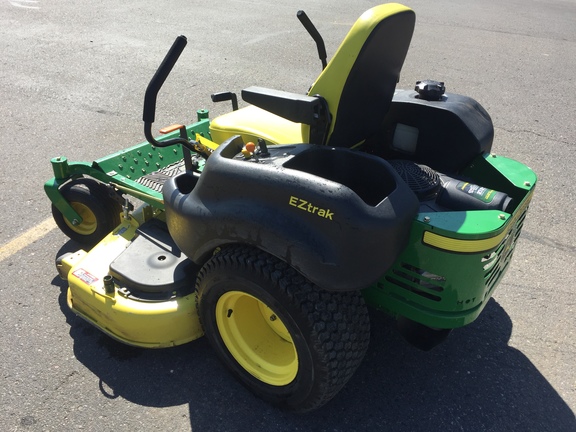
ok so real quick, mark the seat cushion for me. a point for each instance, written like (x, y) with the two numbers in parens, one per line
(252, 123)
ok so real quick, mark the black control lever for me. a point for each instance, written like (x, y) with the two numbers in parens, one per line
(152, 90)
(226, 96)
(315, 35)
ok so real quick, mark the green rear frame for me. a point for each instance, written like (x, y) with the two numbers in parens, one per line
(454, 260)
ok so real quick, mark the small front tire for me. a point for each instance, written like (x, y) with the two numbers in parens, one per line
(100, 212)
(284, 338)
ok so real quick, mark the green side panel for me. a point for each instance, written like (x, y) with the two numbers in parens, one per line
(475, 224)
(448, 288)
(502, 174)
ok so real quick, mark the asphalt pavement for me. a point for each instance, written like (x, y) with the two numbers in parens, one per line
(72, 80)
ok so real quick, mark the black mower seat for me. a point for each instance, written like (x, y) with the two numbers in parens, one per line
(357, 86)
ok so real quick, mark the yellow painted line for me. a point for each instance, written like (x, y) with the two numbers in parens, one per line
(27, 238)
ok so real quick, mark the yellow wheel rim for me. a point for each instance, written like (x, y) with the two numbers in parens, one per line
(257, 338)
(88, 224)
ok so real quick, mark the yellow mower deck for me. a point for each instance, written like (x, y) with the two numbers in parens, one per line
(143, 323)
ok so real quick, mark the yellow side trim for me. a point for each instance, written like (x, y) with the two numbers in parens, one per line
(472, 246)
(462, 246)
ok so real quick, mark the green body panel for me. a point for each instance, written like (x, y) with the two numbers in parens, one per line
(122, 169)
(474, 224)
(443, 288)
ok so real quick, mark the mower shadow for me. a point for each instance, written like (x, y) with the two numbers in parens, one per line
(473, 381)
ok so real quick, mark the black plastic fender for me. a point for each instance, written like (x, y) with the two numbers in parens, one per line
(338, 216)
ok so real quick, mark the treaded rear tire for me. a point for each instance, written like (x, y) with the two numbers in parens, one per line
(330, 331)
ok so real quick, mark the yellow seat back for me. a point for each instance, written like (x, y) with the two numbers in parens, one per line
(358, 83)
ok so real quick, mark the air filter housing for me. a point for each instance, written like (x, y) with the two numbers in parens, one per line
(422, 180)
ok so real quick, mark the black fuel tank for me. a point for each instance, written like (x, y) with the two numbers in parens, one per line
(445, 134)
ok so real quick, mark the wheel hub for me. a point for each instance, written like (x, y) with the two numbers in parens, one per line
(257, 338)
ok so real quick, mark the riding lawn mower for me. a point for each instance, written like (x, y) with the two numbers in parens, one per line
(271, 229)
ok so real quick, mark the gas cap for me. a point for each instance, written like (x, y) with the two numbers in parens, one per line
(430, 90)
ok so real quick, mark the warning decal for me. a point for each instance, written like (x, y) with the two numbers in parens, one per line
(84, 276)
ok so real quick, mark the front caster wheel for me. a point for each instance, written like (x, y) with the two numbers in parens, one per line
(285, 339)
(100, 212)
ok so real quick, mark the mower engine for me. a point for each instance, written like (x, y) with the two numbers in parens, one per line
(440, 192)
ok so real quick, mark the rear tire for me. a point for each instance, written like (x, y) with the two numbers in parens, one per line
(285, 339)
(99, 210)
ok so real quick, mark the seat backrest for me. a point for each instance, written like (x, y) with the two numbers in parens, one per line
(359, 81)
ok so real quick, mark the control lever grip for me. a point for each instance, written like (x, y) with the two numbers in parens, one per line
(301, 15)
(159, 77)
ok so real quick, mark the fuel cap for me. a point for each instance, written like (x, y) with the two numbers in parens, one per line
(430, 90)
